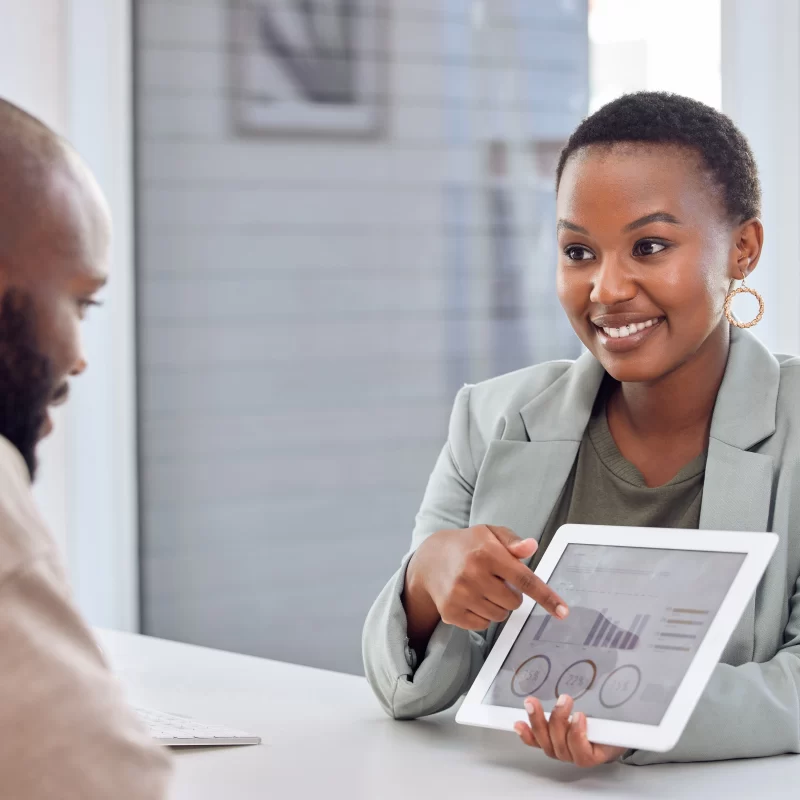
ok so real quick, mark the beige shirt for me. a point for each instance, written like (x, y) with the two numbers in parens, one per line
(66, 730)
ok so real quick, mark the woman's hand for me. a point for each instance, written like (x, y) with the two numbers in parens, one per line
(564, 736)
(470, 578)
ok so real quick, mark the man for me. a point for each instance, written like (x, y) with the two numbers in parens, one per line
(66, 732)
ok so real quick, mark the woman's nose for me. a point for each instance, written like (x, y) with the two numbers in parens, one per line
(612, 283)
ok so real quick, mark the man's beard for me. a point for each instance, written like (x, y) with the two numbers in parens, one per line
(27, 380)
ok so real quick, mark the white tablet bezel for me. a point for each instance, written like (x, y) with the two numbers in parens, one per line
(758, 549)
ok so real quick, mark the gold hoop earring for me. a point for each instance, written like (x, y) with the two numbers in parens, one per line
(743, 290)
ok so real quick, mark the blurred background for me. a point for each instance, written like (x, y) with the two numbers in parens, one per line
(330, 214)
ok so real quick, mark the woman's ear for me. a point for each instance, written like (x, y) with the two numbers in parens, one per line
(749, 240)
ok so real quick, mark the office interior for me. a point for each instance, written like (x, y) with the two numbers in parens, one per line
(298, 295)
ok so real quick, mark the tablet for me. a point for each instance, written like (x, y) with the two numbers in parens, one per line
(651, 611)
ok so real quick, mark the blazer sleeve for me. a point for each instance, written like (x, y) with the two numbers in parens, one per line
(406, 685)
(748, 711)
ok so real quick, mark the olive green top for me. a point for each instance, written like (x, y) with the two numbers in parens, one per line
(604, 488)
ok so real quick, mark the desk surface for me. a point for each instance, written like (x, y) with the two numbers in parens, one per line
(325, 736)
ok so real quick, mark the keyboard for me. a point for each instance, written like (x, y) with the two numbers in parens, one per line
(173, 730)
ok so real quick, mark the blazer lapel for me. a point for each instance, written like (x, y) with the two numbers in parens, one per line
(737, 490)
(738, 483)
(519, 484)
(520, 481)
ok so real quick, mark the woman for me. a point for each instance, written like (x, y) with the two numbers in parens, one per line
(676, 417)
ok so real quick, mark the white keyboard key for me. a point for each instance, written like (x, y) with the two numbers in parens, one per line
(173, 730)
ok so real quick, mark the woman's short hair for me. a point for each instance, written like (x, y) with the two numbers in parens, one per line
(663, 118)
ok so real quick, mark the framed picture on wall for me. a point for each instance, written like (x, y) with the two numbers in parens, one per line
(315, 67)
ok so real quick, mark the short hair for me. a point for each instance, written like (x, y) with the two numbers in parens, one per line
(671, 119)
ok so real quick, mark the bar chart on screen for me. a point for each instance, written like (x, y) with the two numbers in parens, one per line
(593, 629)
(636, 618)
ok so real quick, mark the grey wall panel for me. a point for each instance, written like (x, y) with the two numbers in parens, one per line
(308, 305)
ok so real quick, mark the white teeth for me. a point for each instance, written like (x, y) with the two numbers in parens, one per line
(627, 330)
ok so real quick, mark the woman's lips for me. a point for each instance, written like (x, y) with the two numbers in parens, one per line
(628, 337)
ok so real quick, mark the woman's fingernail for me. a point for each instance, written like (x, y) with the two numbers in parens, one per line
(561, 611)
(518, 728)
(561, 701)
(529, 706)
(570, 718)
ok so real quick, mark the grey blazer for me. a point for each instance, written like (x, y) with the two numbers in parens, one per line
(512, 442)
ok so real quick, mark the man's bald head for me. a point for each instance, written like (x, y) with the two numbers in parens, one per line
(47, 195)
(54, 249)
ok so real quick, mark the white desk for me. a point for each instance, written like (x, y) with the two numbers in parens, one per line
(326, 737)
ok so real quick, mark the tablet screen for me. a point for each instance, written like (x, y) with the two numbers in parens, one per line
(637, 617)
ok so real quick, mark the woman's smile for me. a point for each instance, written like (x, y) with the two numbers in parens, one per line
(619, 336)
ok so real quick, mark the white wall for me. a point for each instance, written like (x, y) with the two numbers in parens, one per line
(101, 430)
(68, 62)
(634, 45)
(761, 92)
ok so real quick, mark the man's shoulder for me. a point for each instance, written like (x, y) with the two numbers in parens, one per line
(24, 537)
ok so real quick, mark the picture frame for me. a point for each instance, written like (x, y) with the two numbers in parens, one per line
(308, 67)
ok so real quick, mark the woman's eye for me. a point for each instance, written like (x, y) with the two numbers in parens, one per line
(576, 252)
(648, 248)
